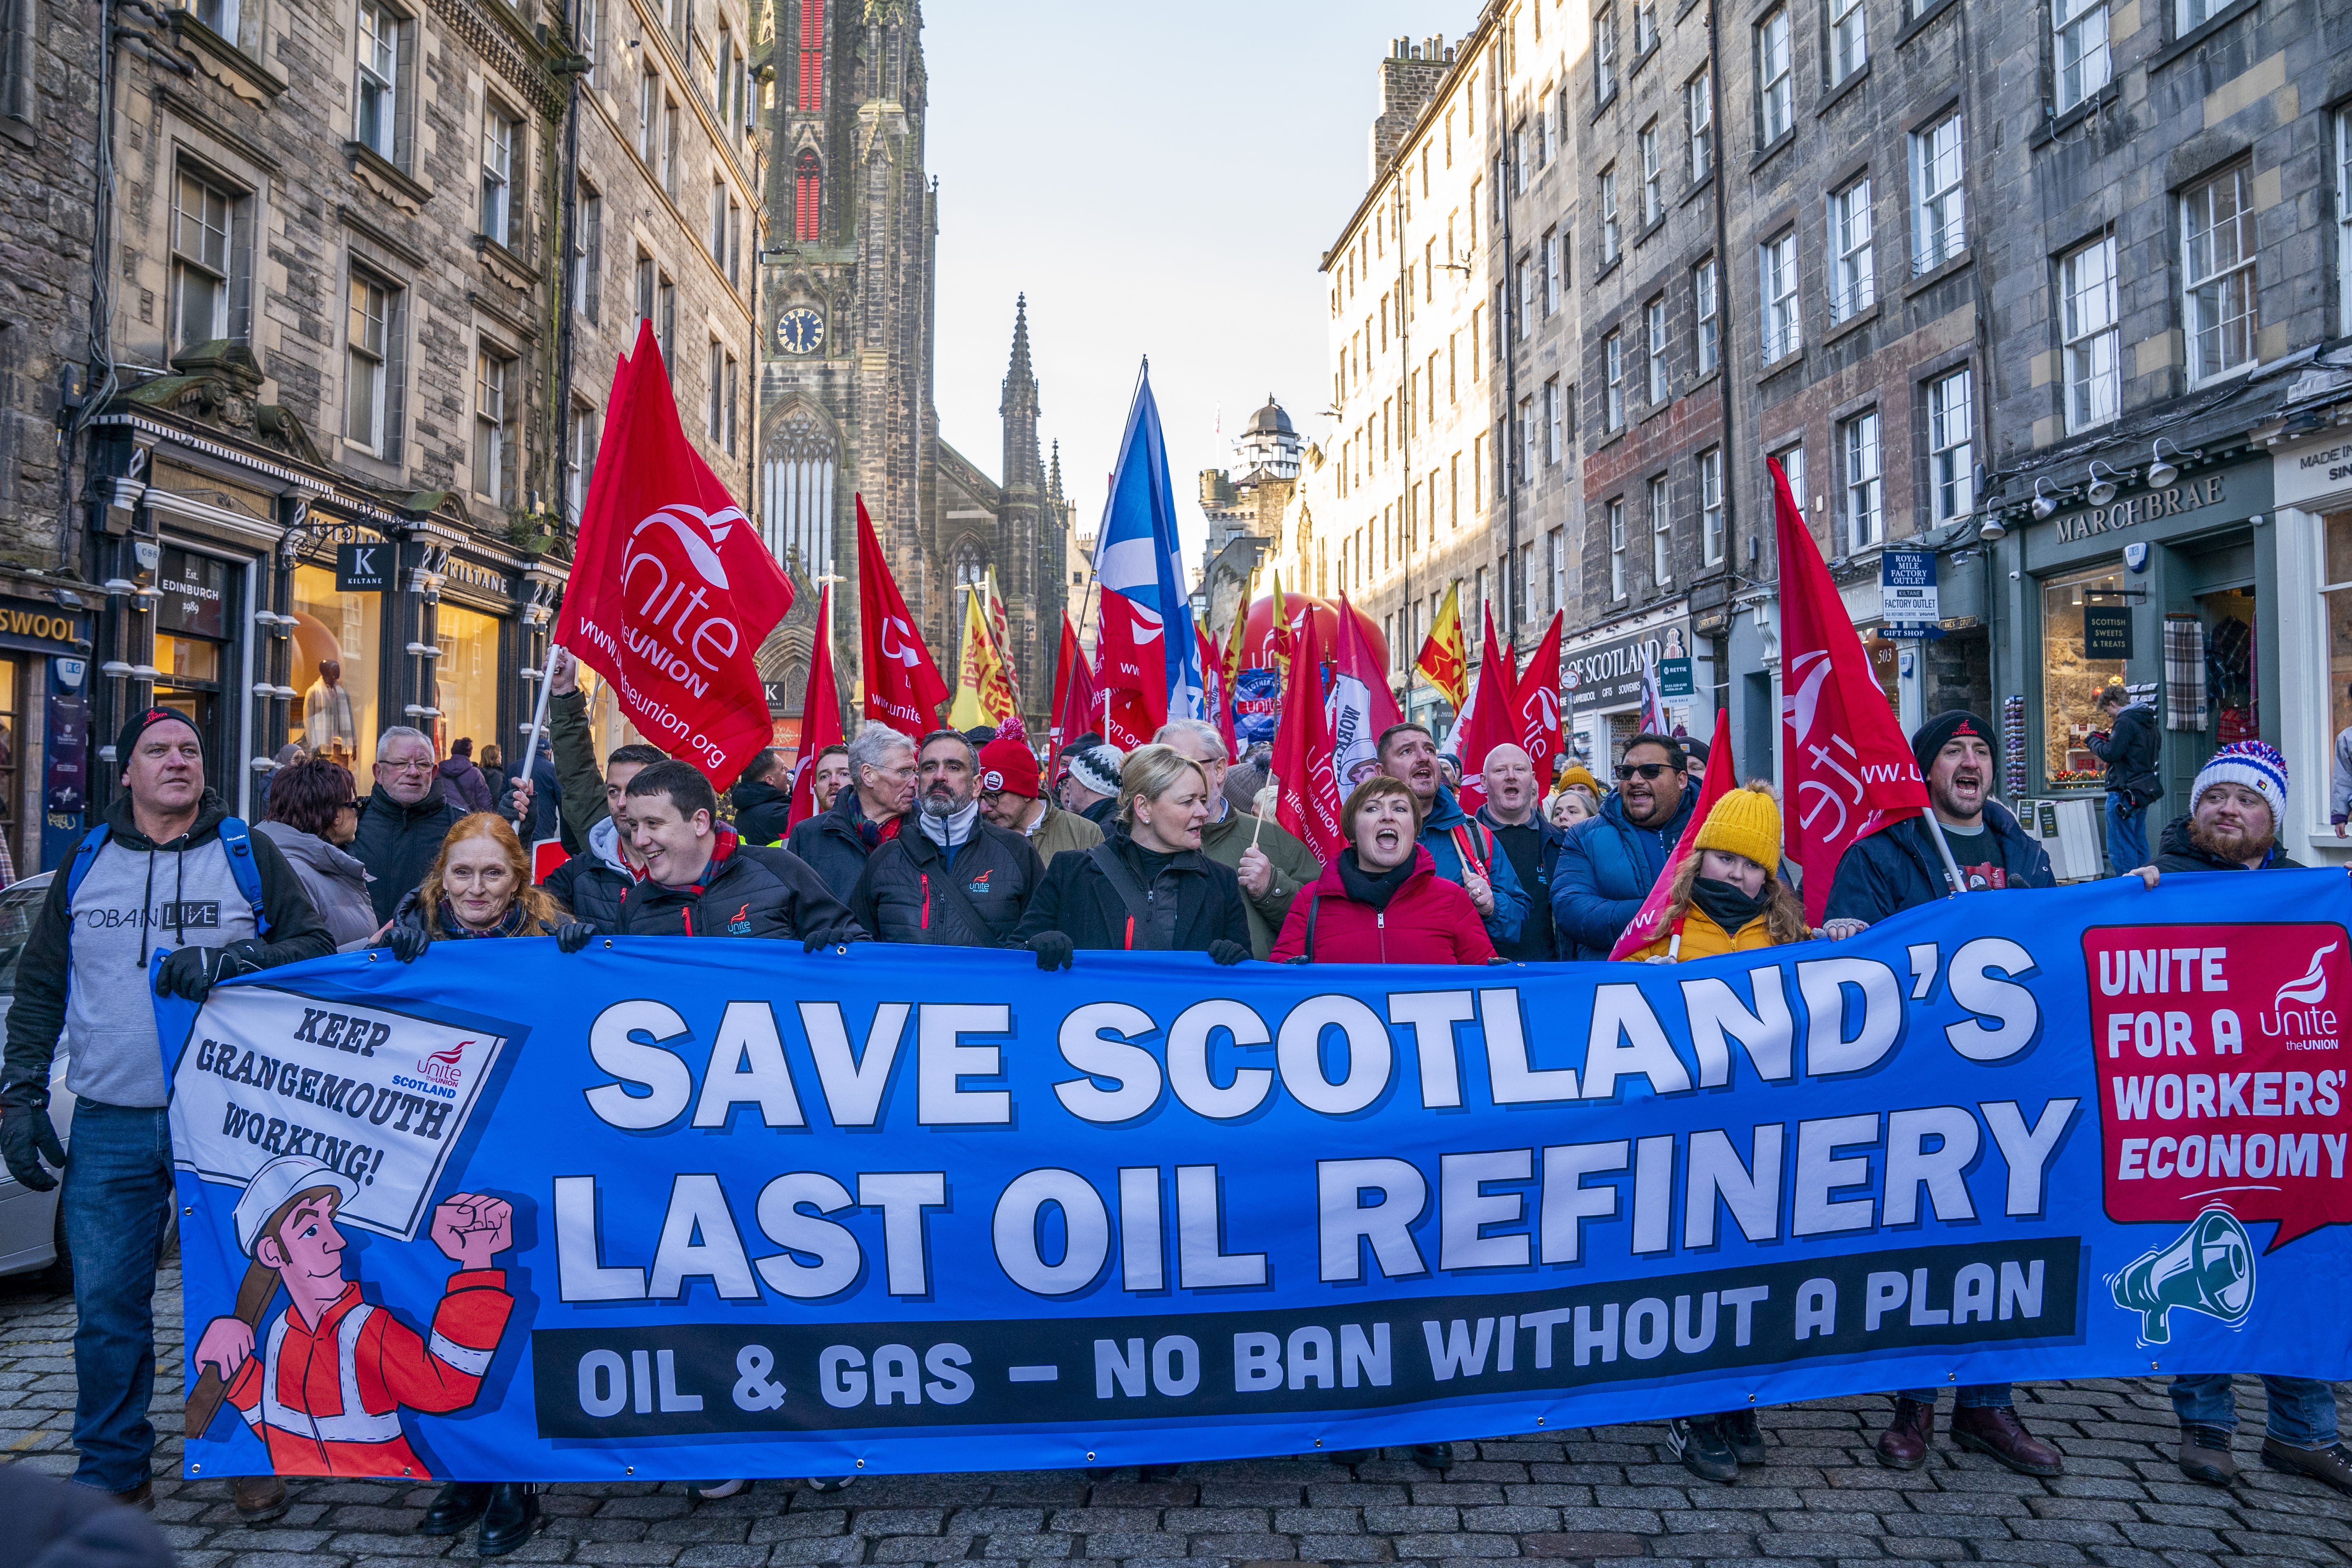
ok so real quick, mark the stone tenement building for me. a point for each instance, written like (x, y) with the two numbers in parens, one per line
(847, 362)
(1940, 258)
(1244, 506)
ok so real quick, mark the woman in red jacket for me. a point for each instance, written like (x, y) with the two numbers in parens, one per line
(1380, 901)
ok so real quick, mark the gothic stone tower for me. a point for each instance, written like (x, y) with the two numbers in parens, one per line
(847, 299)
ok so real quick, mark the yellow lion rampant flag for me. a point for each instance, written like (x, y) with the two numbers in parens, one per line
(1444, 661)
(983, 695)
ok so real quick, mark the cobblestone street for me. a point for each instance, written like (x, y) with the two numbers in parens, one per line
(1606, 1495)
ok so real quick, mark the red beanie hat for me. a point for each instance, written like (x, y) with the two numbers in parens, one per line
(1008, 764)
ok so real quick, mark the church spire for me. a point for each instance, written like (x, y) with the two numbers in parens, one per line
(1019, 409)
(1053, 477)
(1020, 379)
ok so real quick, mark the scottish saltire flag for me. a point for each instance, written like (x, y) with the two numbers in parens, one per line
(1147, 644)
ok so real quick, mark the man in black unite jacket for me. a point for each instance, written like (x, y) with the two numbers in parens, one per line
(951, 877)
(701, 879)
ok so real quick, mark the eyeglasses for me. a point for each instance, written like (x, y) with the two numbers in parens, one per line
(424, 767)
(1647, 770)
(347, 806)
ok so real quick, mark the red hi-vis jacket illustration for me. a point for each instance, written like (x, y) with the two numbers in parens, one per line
(327, 1400)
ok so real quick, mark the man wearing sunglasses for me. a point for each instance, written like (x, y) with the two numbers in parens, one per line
(1607, 869)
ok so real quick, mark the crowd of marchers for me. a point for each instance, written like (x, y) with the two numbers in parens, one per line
(959, 840)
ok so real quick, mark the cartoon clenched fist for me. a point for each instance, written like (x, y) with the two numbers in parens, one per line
(472, 1228)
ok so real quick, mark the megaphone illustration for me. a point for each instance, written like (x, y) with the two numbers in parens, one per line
(2208, 1269)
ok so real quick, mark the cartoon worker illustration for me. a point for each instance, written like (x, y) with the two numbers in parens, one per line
(326, 1389)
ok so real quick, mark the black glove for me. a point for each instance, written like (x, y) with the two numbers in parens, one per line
(1226, 951)
(25, 1136)
(192, 971)
(407, 943)
(573, 935)
(1053, 948)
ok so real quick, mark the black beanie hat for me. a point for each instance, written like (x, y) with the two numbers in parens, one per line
(1937, 732)
(139, 723)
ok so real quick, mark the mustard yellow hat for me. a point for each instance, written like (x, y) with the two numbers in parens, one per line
(1746, 823)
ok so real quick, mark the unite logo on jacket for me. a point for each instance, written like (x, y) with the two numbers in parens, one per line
(980, 884)
(739, 922)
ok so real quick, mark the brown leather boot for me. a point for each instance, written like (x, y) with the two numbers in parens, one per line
(2205, 1456)
(1994, 1431)
(259, 1499)
(1903, 1445)
(2331, 1465)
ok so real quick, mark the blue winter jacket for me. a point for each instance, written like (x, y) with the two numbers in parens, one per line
(1537, 941)
(1437, 829)
(1606, 868)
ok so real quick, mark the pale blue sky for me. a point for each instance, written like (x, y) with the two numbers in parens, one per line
(1161, 180)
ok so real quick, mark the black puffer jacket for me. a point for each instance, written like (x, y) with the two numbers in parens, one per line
(591, 883)
(2130, 751)
(397, 843)
(907, 891)
(831, 843)
(1078, 900)
(760, 810)
(745, 891)
(2176, 851)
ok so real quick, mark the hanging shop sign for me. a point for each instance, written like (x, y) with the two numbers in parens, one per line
(195, 594)
(373, 567)
(2106, 631)
(1906, 592)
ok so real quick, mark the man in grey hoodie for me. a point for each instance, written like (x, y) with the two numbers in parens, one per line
(162, 882)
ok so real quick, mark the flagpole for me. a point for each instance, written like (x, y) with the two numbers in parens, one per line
(1951, 867)
(539, 712)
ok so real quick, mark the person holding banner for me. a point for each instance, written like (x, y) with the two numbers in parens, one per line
(479, 886)
(1899, 869)
(2234, 810)
(701, 879)
(1464, 851)
(591, 883)
(1531, 842)
(1726, 899)
(1608, 869)
(1147, 887)
(167, 871)
(864, 816)
(1012, 796)
(1380, 901)
(957, 880)
(1271, 865)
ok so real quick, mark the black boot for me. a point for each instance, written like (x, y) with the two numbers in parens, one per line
(508, 1521)
(1433, 1456)
(455, 1507)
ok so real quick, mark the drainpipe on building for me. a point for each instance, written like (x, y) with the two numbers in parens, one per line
(1719, 645)
(1404, 399)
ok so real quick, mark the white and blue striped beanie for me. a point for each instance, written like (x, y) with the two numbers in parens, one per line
(2256, 765)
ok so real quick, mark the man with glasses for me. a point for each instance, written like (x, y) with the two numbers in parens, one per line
(1607, 868)
(864, 817)
(1011, 792)
(405, 819)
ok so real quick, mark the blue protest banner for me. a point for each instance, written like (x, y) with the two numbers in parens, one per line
(677, 1209)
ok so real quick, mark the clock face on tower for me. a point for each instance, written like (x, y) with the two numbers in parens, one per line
(800, 331)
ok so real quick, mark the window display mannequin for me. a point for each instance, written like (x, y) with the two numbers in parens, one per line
(327, 716)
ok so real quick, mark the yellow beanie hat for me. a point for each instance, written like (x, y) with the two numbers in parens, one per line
(1746, 823)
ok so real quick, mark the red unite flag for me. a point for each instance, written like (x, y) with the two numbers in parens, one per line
(1537, 703)
(1718, 782)
(1216, 689)
(820, 714)
(672, 591)
(903, 688)
(1844, 764)
(1490, 720)
(1074, 690)
(1306, 802)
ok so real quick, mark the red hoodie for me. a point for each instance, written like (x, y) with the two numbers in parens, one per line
(1428, 921)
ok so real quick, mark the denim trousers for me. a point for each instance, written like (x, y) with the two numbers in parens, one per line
(1967, 1397)
(2302, 1409)
(2127, 836)
(118, 1181)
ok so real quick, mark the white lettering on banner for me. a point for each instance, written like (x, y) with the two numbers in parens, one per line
(379, 1095)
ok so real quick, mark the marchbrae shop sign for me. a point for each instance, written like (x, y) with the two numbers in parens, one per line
(2148, 506)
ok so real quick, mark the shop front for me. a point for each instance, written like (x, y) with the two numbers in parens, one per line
(2171, 590)
(2312, 481)
(44, 721)
(1602, 677)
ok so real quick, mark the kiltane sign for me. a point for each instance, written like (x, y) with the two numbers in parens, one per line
(370, 568)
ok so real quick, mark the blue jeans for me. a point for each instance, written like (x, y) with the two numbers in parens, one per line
(2127, 836)
(1967, 1397)
(2302, 1409)
(117, 1179)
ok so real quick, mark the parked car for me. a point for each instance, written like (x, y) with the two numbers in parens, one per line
(30, 1235)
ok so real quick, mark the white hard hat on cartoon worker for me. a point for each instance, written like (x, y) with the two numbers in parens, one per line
(278, 1181)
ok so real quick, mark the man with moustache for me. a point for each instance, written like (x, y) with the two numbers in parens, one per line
(2235, 811)
(1899, 869)
(1606, 868)
(952, 878)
